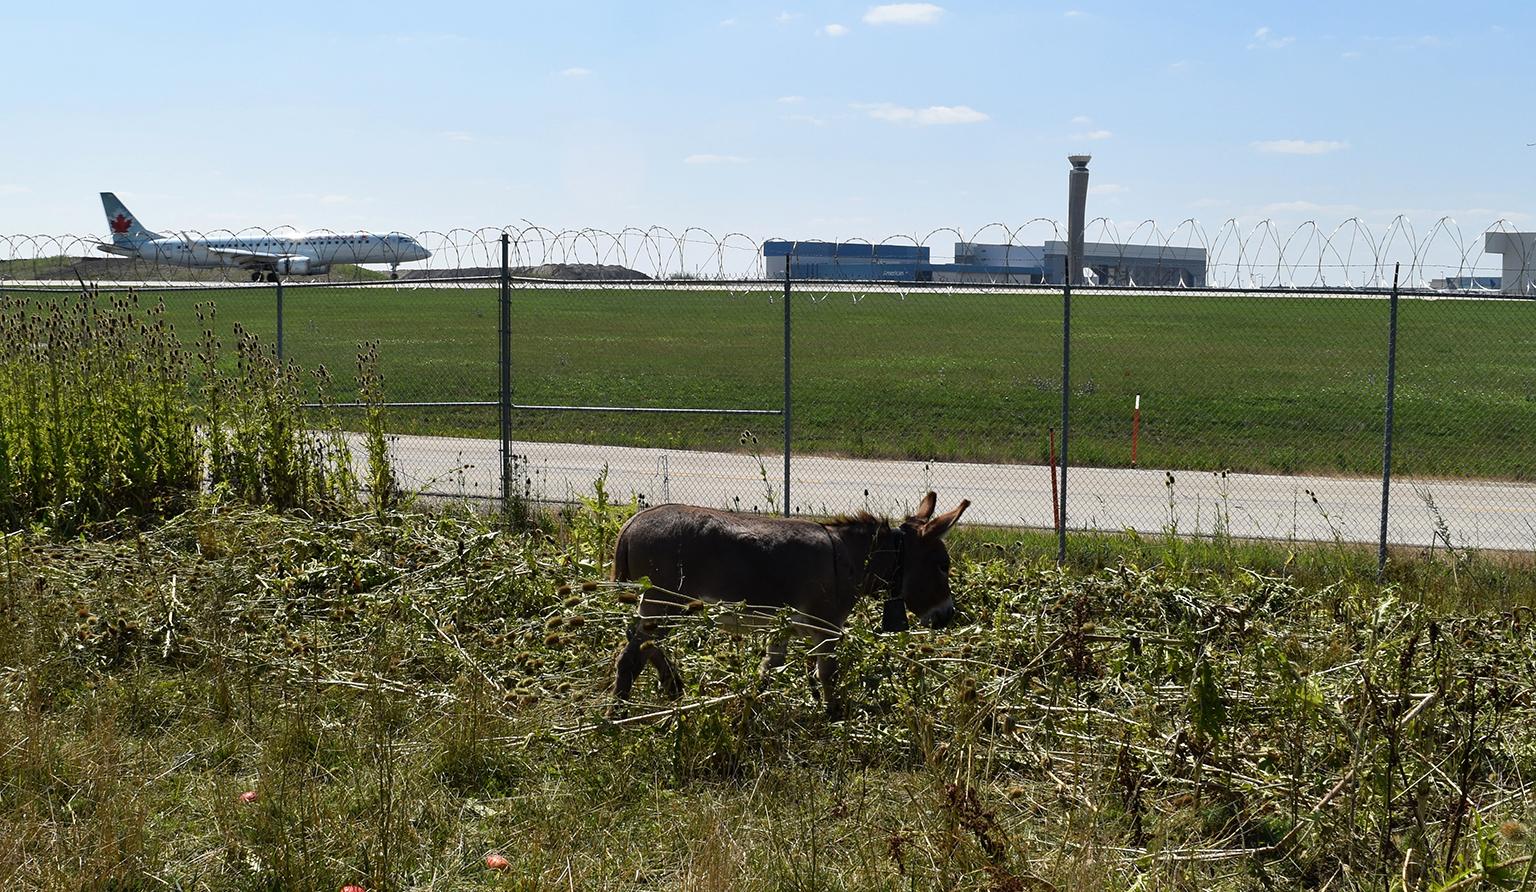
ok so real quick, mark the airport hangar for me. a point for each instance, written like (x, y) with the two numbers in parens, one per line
(1111, 264)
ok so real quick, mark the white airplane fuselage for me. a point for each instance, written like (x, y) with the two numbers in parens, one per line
(260, 255)
(298, 255)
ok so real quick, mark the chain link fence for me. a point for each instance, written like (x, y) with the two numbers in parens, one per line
(663, 366)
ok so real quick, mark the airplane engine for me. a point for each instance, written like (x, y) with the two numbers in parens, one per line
(300, 266)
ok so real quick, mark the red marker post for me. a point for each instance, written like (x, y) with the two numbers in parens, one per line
(1135, 428)
(1055, 501)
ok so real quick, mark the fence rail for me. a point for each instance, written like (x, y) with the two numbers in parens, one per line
(1263, 411)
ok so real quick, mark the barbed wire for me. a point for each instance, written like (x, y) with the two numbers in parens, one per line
(1352, 254)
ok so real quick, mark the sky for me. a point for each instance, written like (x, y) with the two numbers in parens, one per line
(828, 120)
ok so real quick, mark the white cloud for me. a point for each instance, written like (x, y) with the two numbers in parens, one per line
(785, 18)
(1300, 146)
(1405, 42)
(1108, 189)
(1181, 65)
(335, 199)
(458, 136)
(425, 39)
(813, 120)
(790, 100)
(1352, 54)
(727, 23)
(1073, 14)
(576, 71)
(1264, 38)
(834, 30)
(1096, 133)
(840, 223)
(904, 14)
(1465, 213)
(710, 158)
(13, 189)
(924, 117)
(1306, 207)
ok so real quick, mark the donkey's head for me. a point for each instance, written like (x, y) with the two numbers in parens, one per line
(923, 567)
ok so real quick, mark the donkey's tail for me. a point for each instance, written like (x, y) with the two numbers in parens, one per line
(621, 555)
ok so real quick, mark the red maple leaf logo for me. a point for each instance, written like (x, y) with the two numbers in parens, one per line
(121, 223)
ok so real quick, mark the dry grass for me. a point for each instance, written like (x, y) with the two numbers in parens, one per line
(409, 692)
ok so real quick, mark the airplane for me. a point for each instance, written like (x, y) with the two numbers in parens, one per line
(266, 256)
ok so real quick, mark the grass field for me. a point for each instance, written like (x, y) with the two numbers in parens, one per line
(271, 684)
(1246, 383)
(246, 700)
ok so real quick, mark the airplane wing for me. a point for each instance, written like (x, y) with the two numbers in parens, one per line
(254, 259)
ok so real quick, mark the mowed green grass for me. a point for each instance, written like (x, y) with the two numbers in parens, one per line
(1247, 383)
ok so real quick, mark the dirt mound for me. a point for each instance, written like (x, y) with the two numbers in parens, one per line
(574, 272)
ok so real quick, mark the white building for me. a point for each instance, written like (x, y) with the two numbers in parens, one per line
(1519, 250)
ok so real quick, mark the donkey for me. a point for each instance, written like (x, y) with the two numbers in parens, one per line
(815, 570)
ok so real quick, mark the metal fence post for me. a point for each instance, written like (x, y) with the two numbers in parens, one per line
(279, 320)
(1386, 449)
(1077, 201)
(1066, 399)
(505, 362)
(787, 403)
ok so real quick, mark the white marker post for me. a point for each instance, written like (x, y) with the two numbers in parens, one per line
(1135, 428)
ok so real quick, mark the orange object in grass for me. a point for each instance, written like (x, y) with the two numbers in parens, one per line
(249, 796)
(496, 862)
(353, 887)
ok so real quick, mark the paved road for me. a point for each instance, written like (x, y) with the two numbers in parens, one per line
(1478, 514)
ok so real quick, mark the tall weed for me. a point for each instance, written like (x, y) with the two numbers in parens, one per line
(104, 413)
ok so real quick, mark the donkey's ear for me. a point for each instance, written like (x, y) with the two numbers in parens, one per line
(926, 506)
(940, 525)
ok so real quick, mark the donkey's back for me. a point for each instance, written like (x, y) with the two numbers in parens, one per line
(715, 555)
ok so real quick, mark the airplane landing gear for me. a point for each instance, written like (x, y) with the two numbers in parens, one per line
(256, 275)
(272, 277)
(394, 271)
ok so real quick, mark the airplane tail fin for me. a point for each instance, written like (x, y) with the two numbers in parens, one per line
(121, 222)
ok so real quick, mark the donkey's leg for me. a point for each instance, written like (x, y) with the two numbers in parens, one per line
(826, 673)
(645, 634)
(671, 682)
(778, 649)
(632, 660)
